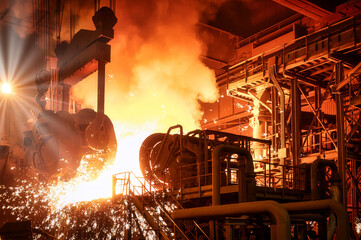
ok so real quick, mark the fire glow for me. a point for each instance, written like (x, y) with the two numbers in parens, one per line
(154, 81)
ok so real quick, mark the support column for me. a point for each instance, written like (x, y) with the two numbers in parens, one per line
(341, 150)
(258, 126)
(295, 122)
(101, 86)
(274, 121)
(65, 98)
(318, 139)
(7, 120)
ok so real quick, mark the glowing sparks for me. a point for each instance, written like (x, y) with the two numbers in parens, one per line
(30, 201)
(98, 219)
(153, 84)
(92, 183)
(157, 84)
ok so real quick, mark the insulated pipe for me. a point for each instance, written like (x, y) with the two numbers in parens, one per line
(260, 207)
(307, 217)
(273, 76)
(216, 171)
(342, 229)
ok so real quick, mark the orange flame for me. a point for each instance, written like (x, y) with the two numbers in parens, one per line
(154, 81)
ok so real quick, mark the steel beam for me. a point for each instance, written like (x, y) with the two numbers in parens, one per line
(101, 86)
(295, 121)
(341, 150)
(317, 117)
(306, 8)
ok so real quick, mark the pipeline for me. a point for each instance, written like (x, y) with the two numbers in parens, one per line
(273, 76)
(276, 210)
(247, 188)
(342, 229)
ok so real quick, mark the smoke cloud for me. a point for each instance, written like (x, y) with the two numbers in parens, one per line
(155, 80)
(155, 75)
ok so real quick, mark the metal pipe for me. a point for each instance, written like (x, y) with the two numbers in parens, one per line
(341, 150)
(342, 229)
(216, 172)
(260, 207)
(307, 217)
(295, 121)
(273, 76)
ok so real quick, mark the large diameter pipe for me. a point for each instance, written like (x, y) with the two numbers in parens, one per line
(272, 208)
(342, 229)
(216, 170)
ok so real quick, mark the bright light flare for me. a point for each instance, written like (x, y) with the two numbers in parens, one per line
(6, 88)
(358, 225)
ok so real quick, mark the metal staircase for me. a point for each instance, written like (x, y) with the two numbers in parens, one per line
(154, 206)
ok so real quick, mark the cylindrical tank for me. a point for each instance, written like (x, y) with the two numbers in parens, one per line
(186, 160)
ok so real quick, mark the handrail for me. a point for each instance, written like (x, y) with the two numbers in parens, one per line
(142, 186)
(166, 137)
(267, 170)
(265, 177)
(164, 210)
(195, 223)
(160, 205)
(293, 41)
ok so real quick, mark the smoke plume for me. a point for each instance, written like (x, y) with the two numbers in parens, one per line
(155, 74)
(155, 80)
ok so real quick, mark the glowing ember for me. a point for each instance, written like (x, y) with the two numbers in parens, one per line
(98, 219)
(30, 201)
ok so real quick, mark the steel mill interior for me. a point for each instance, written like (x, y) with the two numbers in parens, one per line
(176, 119)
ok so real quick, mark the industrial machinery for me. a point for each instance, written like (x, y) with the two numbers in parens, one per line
(60, 137)
(58, 141)
(211, 178)
(185, 160)
(296, 83)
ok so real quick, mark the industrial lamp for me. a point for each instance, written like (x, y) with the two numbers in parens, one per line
(6, 88)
